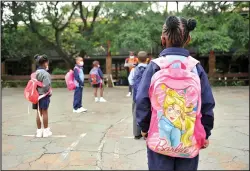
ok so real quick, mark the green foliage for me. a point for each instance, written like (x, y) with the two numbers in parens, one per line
(13, 84)
(58, 71)
(218, 29)
(218, 83)
(134, 26)
(20, 43)
(238, 30)
(70, 28)
(59, 84)
(123, 74)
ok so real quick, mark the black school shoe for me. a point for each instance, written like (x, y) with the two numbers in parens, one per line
(138, 137)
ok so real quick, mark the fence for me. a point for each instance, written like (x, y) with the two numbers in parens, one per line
(228, 78)
(23, 79)
(223, 78)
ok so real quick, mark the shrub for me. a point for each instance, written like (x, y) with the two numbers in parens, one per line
(123, 74)
(13, 84)
(58, 71)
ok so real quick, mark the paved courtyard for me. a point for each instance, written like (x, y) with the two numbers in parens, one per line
(102, 137)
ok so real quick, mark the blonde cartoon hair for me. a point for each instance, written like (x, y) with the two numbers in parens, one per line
(173, 98)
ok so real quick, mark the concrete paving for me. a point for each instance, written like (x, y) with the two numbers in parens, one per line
(102, 138)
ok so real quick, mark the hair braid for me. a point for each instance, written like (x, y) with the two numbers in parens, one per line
(177, 30)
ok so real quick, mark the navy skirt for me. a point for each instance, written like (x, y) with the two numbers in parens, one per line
(99, 85)
(43, 103)
(161, 162)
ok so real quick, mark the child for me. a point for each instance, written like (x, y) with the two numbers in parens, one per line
(43, 76)
(175, 35)
(79, 82)
(96, 79)
(134, 80)
(130, 63)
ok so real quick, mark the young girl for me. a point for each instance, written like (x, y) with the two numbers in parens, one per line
(175, 35)
(96, 79)
(43, 76)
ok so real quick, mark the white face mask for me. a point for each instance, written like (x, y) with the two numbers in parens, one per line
(47, 68)
(131, 56)
(98, 66)
(81, 63)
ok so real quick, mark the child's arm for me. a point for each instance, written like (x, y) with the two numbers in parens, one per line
(100, 73)
(207, 102)
(143, 104)
(131, 77)
(47, 82)
(44, 77)
(77, 78)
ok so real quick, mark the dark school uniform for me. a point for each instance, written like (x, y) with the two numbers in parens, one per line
(79, 82)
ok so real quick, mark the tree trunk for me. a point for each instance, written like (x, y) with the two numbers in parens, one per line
(166, 9)
(3, 68)
(109, 66)
(69, 62)
(177, 6)
(211, 64)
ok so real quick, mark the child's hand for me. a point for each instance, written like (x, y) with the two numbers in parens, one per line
(144, 134)
(206, 144)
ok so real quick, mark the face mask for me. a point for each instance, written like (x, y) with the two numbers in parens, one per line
(98, 66)
(81, 63)
(131, 56)
(47, 68)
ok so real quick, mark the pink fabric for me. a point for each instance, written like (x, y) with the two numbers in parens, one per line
(187, 85)
(30, 91)
(69, 78)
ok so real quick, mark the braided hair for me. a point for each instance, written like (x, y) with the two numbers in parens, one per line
(177, 30)
(41, 59)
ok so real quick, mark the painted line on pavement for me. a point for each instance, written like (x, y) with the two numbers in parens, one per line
(55, 136)
(100, 148)
(72, 146)
(116, 151)
(128, 137)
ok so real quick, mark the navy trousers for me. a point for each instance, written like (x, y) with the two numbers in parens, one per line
(161, 162)
(77, 98)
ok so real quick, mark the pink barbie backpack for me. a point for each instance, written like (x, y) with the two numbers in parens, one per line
(175, 94)
(69, 79)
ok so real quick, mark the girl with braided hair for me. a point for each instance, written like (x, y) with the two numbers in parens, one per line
(175, 36)
(43, 76)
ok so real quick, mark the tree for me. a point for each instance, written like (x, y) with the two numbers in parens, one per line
(218, 28)
(17, 40)
(55, 26)
(57, 23)
(134, 26)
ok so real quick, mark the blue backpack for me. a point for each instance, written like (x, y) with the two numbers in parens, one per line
(137, 79)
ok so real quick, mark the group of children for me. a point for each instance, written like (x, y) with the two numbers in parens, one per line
(171, 131)
(42, 75)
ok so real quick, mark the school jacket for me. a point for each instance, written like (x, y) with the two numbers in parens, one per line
(78, 76)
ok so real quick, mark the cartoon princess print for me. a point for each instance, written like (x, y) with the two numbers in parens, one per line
(175, 124)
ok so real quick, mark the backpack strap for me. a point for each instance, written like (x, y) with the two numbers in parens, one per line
(192, 62)
(162, 62)
(33, 77)
(189, 63)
